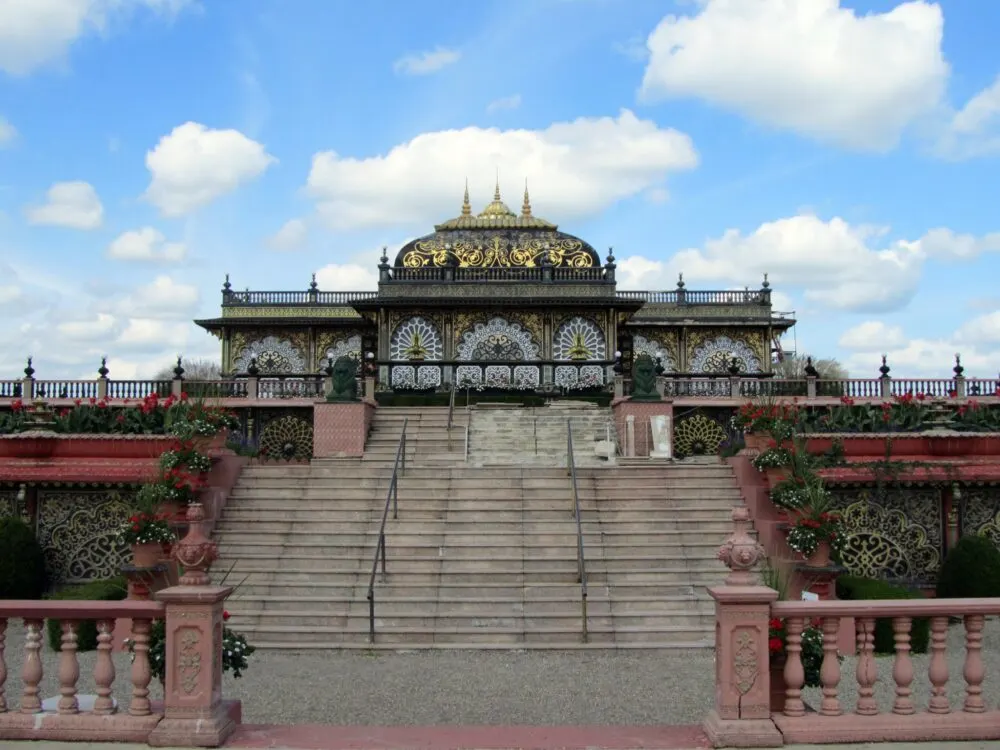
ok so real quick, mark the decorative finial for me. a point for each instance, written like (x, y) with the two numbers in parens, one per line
(526, 206)
(741, 552)
(466, 206)
(195, 552)
(29, 370)
(103, 370)
(958, 369)
(496, 190)
(227, 287)
(312, 284)
(179, 370)
(252, 369)
(884, 369)
(611, 256)
(734, 367)
(766, 284)
(384, 260)
(680, 281)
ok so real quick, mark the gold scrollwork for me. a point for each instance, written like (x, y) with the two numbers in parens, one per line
(891, 534)
(288, 438)
(668, 338)
(524, 251)
(698, 435)
(982, 512)
(78, 532)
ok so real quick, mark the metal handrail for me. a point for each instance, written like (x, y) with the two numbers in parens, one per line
(581, 563)
(468, 422)
(391, 496)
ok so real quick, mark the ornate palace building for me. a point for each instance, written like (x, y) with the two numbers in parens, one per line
(500, 300)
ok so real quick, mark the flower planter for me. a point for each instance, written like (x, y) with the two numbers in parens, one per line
(52, 445)
(757, 441)
(147, 555)
(820, 558)
(908, 444)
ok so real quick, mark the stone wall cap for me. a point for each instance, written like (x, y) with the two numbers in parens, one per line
(747, 594)
(193, 594)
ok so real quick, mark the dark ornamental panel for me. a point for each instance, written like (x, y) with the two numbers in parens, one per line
(286, 435)
(981, 512)
(895, 534)
(8, 503)
(700, 432)
(78, 531)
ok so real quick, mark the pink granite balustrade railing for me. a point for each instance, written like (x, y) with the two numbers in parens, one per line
(835, 721)
(23, 717)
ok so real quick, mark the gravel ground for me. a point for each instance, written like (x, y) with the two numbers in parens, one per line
(482, 687)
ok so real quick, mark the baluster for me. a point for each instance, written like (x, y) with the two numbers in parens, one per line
(31, 672)
(974, 671)
(141, 675)
(867, 671)
(69, 669)
(829, 671)
(795, 675)
(938, 669)
(902, 668)
(104, 669)
(3, 665)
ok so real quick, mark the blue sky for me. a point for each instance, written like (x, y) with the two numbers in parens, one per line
(849, 149)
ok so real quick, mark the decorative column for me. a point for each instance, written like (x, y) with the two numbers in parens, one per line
(742, 714)
(194, 714)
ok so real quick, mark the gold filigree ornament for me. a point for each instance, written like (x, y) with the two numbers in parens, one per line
(882, 542)
(497, 251)
(698, 436)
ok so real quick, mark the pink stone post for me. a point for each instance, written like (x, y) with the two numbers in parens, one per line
(742, 714)
(194, 714)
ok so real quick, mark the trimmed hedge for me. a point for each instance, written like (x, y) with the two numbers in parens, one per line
(22, 562)
(971, 569)
(862, 589)
(110, 590)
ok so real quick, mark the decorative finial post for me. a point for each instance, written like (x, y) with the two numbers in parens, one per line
(741, 553)
(526, 206)
(766, 284)
(313, 286)
(196, 552)
(103, 369)
(885, 382)
(680, 281)
(958, 369)
(29, 371)
(383, 266)
(466, 206)
(496, 190)
(179, 369)
(252, 369)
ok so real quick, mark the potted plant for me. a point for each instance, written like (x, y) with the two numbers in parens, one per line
(817, 532)
(149, 535)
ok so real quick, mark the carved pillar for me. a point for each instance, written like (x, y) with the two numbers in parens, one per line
(227, 351)
(742, 714)
(682, 350)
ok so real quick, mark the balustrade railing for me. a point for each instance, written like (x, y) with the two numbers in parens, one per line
(105, 711)
(137, 389)
(700, 297)
(294, 298)
(65, 389)
(521, 375)
(939, 719)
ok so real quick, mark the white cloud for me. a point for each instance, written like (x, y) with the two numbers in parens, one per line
(194, 164)
(945, 244)
(98, 327)
(7, 132)
(9, 293)
(504, 103)
(350, 277)
(146, 244)
(164, 298)
(835, 262)
(975, 129)
(425, 63)
(36, 32)
(873, 336)
(70, 204)
(983, 330)
(146, 334)
(292, 236)
(574, 168)
(809, 66)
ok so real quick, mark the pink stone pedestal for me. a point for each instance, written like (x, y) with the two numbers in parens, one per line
(340, 430)
(642, 411)
(194, 715)
(742, 714)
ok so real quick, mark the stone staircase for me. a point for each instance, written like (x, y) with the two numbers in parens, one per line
(508, 435)
(480, 557)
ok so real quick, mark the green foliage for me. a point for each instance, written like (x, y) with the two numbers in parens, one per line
(110, 590)
(970, 570)
(973, 416)
(906, 413)
(855, 588)
(22, 562)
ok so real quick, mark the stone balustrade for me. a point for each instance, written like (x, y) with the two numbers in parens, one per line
(25, 717)
(834, 721)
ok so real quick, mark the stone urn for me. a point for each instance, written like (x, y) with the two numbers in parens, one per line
(147, 555)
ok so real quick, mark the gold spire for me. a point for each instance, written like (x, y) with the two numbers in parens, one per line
(496, 191)
(526, 206)
(497, 209)
(466, 206)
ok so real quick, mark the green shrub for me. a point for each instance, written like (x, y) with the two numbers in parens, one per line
(22, 562)
(110, 590)
(970, 570)
(862, 589)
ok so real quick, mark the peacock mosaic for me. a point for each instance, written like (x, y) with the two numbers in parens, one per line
(718, 354)
(662, 347)
(497, 340)
(330, 347)
(274, 355)
(579, 338)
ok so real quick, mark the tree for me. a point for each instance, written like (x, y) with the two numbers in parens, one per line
(195, 369)
(793, 367)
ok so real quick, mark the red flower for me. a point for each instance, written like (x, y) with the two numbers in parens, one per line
(775, 623)
(775, 646)
(225, 615)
